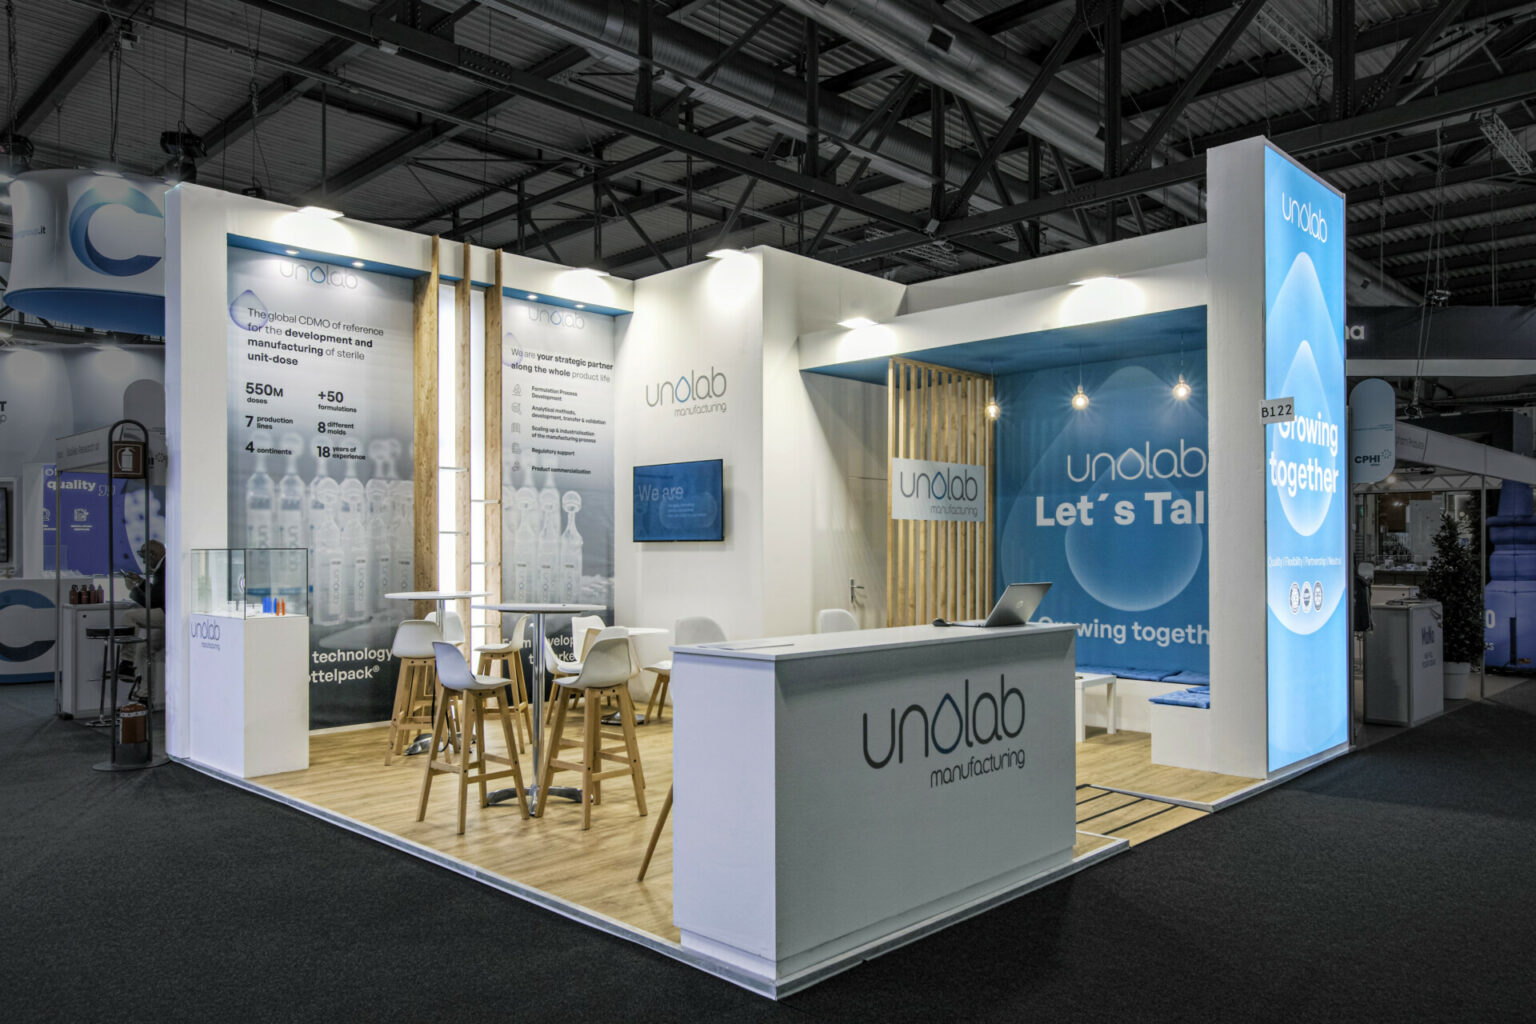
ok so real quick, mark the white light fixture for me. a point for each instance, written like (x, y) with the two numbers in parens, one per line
(531, 297)
(594, 271)
(1080, 399)
(993, 410)
(1181, 389)
(322, 212)
(1080, 282)
(725, 254)
(1391, 478)
(581, 305)
(358, 264)
(853, 323)
(291, 252)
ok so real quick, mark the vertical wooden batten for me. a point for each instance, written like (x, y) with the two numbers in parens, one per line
(938, 568)
(463, 444)
(493, 509)
(424, 452)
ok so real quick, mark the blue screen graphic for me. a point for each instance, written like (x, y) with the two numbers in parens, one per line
(1306, 473)
(1109, 504)
(680, 501)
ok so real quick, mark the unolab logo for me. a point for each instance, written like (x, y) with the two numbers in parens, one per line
(988, 717)
(691, 393)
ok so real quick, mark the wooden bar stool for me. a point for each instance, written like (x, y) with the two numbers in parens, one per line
(415, 689)
(474, 760)
(509, 654)
(605, 672)
(661, 823)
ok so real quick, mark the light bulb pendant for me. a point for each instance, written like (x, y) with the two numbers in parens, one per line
(1080, 399)
(1181, 389)
(993, 410)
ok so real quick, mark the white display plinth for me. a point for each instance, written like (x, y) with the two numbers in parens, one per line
(794, 851)
(250, 693)
(1404, 673)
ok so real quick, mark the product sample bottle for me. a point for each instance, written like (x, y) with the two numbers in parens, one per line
(547, 577)
(260, 519)
(570, 550)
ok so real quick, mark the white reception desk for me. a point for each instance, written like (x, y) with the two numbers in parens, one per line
(837, 794)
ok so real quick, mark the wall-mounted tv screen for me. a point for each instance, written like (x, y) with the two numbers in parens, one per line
(680, 501)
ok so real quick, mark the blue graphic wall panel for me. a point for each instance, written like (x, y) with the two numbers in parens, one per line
(1109, 504)
(1306, 474)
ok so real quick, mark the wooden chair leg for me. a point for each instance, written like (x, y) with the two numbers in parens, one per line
(485, 765)
(517, 770)
(556, 725)
(401, 699)
(524, 708)
(465, 725)
(426, 782)
(661, 821)
(627, 722)
(588, 761)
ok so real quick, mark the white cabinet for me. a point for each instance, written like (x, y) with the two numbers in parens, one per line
(250, 693)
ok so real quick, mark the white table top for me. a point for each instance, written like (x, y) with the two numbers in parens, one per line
(536, 608)
(644, 630)
(816, 645)
(434, 595)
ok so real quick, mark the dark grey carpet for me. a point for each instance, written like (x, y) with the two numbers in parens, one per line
(1395, 884)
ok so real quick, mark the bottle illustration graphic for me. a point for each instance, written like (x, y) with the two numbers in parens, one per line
(292, 501)
(525, 550)
(260, 495)
(570, 550)
(353, 515)
(402, 523)
(329, 574)
(546, 578)
(381, 521)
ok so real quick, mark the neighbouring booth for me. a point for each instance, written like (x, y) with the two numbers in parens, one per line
(654, 602)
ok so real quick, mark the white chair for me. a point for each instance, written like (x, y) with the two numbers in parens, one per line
(474, 761)
(835, 620)
(584, 629)
(415, 687)
(605, 672)
(695, 629)
(453, 627)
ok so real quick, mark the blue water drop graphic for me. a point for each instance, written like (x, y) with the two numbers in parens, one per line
(959, 724)
(248, 311)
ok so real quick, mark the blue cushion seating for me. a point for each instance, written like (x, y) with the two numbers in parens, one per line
(1150, 675)
(1193, 697)
(1188, 678)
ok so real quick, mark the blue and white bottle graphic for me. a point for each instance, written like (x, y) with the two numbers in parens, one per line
(549, 541)
(260, 495)
(354, 543)
(570, 550)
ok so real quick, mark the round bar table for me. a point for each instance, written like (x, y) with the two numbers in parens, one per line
(537, 611)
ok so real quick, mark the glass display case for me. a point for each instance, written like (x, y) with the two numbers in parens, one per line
(244, 583)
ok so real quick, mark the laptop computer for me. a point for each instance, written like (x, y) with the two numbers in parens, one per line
(1017, 603)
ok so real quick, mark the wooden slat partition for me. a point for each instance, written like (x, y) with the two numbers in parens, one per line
(424, 452)
(493, 510)
(938, 569)
(463, 574)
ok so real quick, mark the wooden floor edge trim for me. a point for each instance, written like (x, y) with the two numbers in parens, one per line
(1198, 805)
(538, 897)
(332, 730)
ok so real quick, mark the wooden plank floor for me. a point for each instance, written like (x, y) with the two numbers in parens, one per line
(597, 868)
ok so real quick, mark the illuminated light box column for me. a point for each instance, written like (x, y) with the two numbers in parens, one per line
(1276, 330)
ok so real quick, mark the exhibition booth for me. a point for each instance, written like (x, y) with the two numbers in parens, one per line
(693, 533)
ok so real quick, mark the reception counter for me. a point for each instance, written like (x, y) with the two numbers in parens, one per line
(840, 793)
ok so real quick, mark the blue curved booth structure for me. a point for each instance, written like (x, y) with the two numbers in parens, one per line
(1510, 600)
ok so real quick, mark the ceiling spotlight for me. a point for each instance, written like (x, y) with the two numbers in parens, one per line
(581, 305)
(1181, 389)
(1391, 478)
(187, 148)
(725, 254)
(531, 297)
(322, 212)
(291, 252)
(993, 410)
(853, 323)
(594, 271)
(1080, 399)
(358, 264)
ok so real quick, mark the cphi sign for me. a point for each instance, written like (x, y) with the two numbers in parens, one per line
(954, 492)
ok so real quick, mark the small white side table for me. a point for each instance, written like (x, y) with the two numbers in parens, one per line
(1085, 680)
